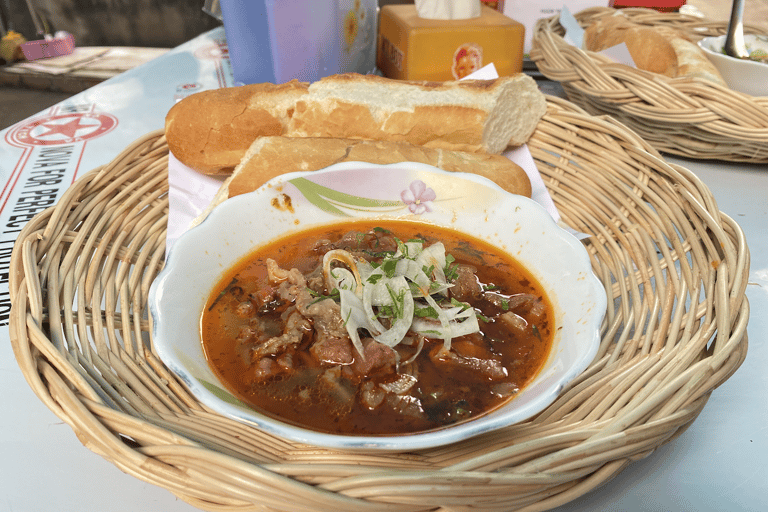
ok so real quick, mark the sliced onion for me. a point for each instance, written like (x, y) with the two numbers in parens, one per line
(444, 322)
(399, 326)
(434, 256)
(342, 279)
(364, 290)
(353, 314)
(347, 259)
(419, 348)
(458, 322)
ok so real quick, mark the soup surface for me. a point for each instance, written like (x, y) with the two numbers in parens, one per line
(378, 328)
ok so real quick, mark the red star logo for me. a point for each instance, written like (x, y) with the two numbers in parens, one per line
(68, 129)
(61, 129)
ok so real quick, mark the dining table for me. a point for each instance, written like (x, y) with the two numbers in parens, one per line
(719, 463)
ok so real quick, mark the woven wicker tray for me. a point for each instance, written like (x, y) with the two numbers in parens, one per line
(674, 267)
(687, 117)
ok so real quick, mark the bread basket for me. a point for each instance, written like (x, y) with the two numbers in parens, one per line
(674, 267)
(687, 117)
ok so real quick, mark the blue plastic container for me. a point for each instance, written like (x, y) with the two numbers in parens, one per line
(279, 40)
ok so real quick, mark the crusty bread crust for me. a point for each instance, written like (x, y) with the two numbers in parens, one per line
(211, 131)
(269, 157)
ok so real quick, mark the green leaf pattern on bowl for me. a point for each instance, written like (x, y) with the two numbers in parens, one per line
(330, 200)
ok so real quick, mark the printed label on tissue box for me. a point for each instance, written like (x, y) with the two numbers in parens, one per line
(391, 54)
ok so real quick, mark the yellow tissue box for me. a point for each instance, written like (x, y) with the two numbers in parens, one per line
(414, 48)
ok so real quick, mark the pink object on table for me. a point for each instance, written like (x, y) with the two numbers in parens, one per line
(43, 48)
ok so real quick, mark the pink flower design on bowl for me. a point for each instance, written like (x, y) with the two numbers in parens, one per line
(418, 197)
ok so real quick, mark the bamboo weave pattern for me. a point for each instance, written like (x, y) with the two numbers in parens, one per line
(674, 267)
(688, 117)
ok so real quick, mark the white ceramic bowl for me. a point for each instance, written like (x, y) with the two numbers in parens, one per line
(741, 75)
(464, 202)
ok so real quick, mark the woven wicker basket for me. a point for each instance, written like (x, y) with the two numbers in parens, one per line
(683, 116)
(674, 267)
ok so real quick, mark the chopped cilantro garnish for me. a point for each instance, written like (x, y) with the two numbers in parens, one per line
(428, 312)
(389, 267)
(450, 268)
(378, 254)
(403, 248)
(398, 300)
(334, 295)
(459, 304)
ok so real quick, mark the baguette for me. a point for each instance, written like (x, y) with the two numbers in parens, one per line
(464, 115)
(269, 157)
(211, 131)
(657, 49)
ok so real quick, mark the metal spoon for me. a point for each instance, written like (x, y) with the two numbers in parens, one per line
(734, 40)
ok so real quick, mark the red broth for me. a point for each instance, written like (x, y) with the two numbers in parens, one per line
(285, 354)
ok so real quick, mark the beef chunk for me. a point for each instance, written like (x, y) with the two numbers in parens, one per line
(331, 350)
(376, 357)
(466, 287)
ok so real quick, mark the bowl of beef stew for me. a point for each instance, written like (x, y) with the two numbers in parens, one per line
(377, 307)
